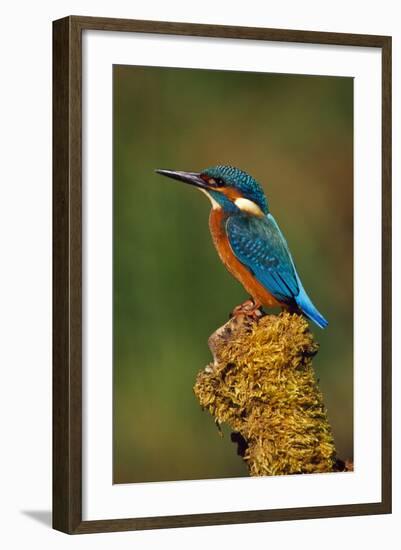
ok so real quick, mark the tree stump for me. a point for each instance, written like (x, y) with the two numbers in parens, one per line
(262, 384)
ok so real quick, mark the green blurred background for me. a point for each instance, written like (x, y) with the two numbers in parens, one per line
(294, 134)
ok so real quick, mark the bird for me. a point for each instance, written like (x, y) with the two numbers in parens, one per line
(249, 241)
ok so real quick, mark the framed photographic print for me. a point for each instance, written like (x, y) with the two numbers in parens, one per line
(222, 270)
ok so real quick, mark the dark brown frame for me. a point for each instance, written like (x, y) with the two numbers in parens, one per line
(67, 276)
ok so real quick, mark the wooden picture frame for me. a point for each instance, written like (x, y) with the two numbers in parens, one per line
(67, 274)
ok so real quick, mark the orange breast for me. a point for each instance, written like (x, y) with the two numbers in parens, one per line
(234, 266)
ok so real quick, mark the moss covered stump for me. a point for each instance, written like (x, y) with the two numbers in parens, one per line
(262, 384)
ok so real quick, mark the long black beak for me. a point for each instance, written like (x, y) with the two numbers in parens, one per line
(193, 178)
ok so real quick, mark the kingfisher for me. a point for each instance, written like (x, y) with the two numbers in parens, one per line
(249, 241)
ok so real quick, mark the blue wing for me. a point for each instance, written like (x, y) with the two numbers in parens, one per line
(259, 244)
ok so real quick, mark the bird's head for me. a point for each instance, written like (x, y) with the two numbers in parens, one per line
(227, 187)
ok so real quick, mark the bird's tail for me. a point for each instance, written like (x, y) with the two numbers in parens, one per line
(307, 307)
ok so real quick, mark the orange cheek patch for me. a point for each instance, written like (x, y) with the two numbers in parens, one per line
(230, 193)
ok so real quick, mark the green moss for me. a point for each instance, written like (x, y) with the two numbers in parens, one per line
(263, 386)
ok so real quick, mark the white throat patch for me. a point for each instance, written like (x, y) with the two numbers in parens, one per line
(215, 204)
(250, 207)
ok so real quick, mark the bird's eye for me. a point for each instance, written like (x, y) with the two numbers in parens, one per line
(213, 182)
(218, 182)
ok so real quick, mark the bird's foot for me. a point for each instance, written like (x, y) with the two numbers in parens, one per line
(247, 309)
